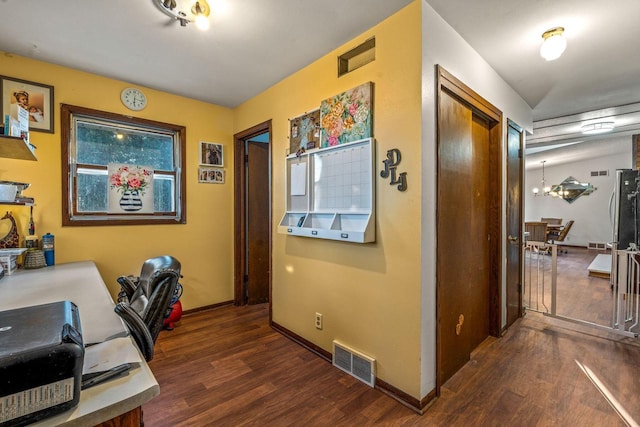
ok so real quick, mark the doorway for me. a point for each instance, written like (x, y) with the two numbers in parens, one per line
(252, 212)
(469, 226)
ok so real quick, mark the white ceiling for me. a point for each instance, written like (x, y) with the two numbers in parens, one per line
(597, 77)
(600, 67)
(252, 44)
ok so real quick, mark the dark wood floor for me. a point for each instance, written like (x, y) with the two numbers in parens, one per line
(227, 367)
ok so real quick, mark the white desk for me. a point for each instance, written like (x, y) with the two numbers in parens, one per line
(80, 282)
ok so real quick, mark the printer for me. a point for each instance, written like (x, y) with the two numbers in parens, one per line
(41, 356)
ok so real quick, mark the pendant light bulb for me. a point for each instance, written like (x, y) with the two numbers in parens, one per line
(201, 10)
(202, 22)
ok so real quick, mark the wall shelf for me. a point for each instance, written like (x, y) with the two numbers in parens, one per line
(13, 147)
(18, 203)
(330, 193)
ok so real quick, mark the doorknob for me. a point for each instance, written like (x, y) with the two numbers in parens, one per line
(512, 238)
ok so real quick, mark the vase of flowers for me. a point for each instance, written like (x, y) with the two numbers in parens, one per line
(131, 182)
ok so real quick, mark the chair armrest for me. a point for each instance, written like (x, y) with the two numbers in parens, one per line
(128, 285)
(164, 283)
(137, 328)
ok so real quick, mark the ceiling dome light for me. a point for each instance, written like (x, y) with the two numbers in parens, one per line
(596, 128)
(553, 43)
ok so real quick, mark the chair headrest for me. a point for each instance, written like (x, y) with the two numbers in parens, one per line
(152, 266)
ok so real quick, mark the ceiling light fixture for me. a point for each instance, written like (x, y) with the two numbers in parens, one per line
(553, 43)
(596, 128)
(185, 11)
(545, 188)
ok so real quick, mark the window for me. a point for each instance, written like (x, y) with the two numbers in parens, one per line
(97, 143)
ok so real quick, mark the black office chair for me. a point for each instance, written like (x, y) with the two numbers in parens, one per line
(144, 301)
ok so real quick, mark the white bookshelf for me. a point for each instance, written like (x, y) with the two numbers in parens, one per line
(330, 193)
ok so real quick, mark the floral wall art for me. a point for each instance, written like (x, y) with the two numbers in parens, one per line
(130, 188)
(348, 116)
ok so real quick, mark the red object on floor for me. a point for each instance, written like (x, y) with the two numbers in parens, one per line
(176, 314)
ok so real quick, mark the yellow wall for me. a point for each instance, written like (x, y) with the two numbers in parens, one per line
(204, 245)
(369, 294)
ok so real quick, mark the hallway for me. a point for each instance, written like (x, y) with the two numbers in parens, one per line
(227, 367)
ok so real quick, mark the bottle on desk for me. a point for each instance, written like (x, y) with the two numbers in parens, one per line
(49, 249)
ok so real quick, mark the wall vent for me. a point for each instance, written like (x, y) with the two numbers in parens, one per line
(600, 173)
(357, 57)
(354, 363)
(597, 246)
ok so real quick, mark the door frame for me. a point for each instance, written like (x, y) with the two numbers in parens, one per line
(240, 206)
(446, 82)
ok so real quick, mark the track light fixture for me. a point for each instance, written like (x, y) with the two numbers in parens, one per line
(186, 11)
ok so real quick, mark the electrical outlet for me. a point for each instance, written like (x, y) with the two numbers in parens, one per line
(318, 321)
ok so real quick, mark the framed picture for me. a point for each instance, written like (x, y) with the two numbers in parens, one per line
(347, 117)
(211, 154)
(36, 98)
(211, 175)
(304, 131)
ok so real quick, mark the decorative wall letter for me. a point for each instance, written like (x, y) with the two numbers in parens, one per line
(390, 166)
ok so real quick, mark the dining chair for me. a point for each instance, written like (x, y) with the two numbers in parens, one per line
(552, 221)
(537, 231)
(556, 236)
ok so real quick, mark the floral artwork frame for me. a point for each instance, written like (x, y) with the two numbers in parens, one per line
(304, 131)
(37, 98)
(347, 117)
(211, 175)
(130, 189)
(211, 154)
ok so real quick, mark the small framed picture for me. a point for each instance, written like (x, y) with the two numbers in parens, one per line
(36, 98)
(211, 175)
(211, 154)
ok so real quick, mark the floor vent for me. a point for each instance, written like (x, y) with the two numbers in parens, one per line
(597, 245)
(354, 363)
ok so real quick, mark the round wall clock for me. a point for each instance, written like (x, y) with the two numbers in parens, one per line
(133, 99)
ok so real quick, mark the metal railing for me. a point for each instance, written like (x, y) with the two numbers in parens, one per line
(540, 276)
(540, 288)
(626, 288)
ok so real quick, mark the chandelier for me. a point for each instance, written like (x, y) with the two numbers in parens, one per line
(186, 11)
(545, 188)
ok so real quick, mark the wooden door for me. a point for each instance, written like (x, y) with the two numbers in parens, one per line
(258, 219)
(515, 146)
(468, 224)
(245, 228)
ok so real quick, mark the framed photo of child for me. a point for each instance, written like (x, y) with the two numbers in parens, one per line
(211, 154)
(36, 98)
